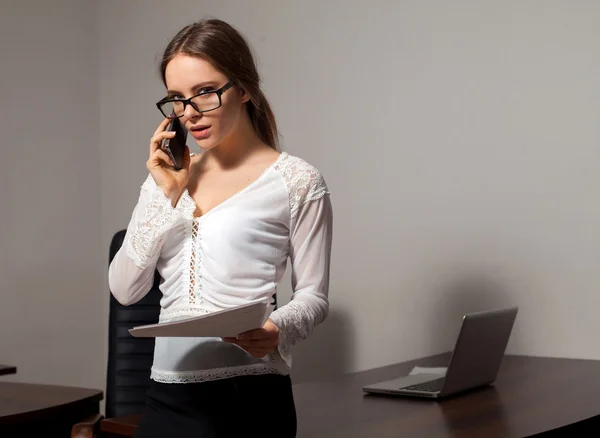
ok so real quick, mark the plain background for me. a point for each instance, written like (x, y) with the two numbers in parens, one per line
(457, 138)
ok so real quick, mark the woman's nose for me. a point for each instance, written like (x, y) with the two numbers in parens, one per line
(190, 112)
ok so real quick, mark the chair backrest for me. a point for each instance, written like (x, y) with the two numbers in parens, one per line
(129, 358)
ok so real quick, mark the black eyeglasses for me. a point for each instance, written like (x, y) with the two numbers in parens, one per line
(201, 102)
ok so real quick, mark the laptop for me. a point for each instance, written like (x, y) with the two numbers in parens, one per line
(475, 361)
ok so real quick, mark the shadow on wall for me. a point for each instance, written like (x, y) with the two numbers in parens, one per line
(326, 353)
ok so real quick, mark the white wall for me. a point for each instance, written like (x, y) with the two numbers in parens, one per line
(51, 311)
(454, 136)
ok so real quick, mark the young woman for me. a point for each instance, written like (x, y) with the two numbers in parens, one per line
(220, 232)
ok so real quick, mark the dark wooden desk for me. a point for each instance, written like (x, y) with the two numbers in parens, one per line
(27, 409)
(7, 369)
(531, 396)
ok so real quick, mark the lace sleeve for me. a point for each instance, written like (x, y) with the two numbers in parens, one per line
(310, 254)
(131, 271)
(154, 216)
(304, 182)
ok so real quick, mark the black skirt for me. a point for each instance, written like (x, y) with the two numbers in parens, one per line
(244, 406)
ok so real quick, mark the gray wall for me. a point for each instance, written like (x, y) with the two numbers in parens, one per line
(52, 311)
(457, 137)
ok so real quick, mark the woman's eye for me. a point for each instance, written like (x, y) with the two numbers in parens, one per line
(205, 90)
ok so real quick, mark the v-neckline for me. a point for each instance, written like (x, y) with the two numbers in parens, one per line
(245, 189)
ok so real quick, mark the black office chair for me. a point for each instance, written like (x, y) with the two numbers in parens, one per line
(129, 358)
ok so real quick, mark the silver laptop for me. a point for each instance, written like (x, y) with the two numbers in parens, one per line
(475, 361)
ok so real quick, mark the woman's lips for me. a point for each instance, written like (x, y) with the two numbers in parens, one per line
(200, 132)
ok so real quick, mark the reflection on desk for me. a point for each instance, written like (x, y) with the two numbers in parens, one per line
(29, 408)
(531, 395)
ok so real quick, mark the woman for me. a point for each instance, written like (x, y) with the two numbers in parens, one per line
(220, 231)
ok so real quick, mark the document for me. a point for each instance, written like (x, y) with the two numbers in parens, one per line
(224, 323)
(428, 370)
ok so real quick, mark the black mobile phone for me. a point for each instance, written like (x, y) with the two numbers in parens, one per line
(175, 146)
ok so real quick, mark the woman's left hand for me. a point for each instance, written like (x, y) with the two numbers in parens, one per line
(259, 342)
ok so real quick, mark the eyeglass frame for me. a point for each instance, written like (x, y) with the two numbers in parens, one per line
(188, 101)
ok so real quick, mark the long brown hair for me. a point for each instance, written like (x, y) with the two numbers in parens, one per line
(227, 50)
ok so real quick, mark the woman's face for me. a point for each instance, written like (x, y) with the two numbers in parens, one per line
(187, 76)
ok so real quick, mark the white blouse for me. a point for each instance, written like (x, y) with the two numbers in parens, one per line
(234, 254)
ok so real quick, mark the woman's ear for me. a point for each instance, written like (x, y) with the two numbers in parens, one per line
(244, 94)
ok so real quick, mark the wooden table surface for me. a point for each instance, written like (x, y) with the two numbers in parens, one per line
(7, 369)
(531, 395)
(28, 407)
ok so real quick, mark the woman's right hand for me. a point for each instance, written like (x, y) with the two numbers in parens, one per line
(172, 182)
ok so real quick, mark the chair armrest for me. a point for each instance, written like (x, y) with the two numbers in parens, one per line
(87, 428)
(124, 426)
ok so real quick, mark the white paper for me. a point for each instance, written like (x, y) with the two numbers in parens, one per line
(428, 370)
(224, 323)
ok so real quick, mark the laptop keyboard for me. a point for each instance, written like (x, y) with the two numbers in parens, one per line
(430, 386)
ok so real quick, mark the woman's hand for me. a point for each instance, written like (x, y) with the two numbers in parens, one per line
(259, 342)
(172, 182)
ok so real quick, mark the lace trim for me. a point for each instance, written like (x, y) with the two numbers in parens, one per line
(212, 374)
(186, 206)
(185, 264)
(172, 314)
(194, 249)
(295, 321)
(147, 237)
(304, 182)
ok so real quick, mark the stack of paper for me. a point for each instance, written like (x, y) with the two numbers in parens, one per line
(224, 323)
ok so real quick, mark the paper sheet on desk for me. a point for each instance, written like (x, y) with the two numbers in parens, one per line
(428, 370)
(224, 323)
